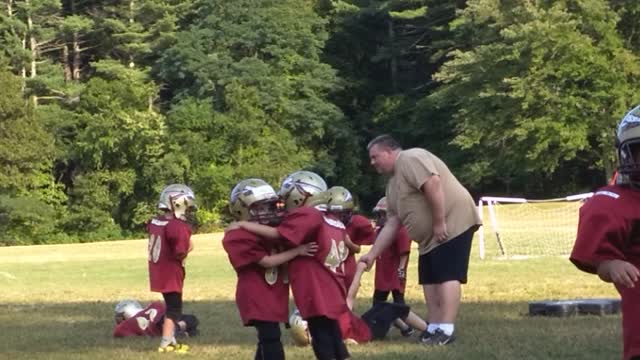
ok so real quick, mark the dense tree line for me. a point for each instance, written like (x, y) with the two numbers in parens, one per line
(106, 102)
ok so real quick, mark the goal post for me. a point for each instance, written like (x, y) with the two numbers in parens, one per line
(520, 227)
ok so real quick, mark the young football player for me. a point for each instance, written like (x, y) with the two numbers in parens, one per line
(608, 240)
(391, 265)
(375, 323)
(359, 229)
(169, 244)
(133, 320)
(262, 290)
(317, 282)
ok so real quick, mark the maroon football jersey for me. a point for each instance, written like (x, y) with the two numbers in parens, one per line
(361, 232)
(317, 282)
(168, 243)
(261, 294)
(353, 327)
(389, 260)
(609, 229)
(147, 322)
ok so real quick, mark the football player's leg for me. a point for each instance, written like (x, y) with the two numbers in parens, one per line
(269, 344)
(381, 316)
(173, 303)
(380, 296)
(416, 321)
(326, 339)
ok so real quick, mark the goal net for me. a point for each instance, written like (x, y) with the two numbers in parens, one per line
(522, 228)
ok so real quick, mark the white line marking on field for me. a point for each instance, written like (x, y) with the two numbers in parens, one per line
(7, 275)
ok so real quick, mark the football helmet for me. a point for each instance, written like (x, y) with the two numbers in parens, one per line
(255, 200)
(380, 212)
(299, 329)
(126, 309)
(340, 202)
(628, 145)
(178, 199)
(303, 188)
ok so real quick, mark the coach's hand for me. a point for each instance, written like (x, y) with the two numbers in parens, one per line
(440, 232)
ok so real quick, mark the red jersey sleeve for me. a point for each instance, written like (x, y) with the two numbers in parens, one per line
(178, 234)
(601, 235)
(403, 241)
(243, 248)
(360, 230)
(300, 224)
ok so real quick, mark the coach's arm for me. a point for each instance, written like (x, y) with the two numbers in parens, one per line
(384, 239)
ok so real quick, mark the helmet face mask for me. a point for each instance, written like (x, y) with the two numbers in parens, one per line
(303, 188)
(126, 309)
(255, 200)
(628, 145)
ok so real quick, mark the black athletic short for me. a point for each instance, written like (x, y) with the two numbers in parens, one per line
(381, 315)
(173, 303)
(447, 262)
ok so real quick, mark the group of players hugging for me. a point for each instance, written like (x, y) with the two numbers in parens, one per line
(304, 238)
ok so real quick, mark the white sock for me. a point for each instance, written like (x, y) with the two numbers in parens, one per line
(447, 329)
(431, 329)
(166, 340)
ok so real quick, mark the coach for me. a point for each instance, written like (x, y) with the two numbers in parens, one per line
(439, 214)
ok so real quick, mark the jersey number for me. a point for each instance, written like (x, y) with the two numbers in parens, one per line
(336, 255)
(143, 322)
(155, 245)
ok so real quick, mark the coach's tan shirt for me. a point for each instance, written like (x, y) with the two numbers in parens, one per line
(412, 169)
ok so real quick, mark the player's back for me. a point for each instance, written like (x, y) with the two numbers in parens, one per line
(317, 282)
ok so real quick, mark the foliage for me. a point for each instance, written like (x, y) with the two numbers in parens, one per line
(108, 102)
(560, 80)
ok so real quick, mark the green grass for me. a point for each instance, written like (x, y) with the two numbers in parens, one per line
(57, 303)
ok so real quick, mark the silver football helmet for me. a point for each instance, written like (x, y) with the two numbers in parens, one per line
(303, 188)
(628, 145)
(126, 309)
(255, 200)
(178, 199)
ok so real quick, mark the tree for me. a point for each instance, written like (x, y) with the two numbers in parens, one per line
(29, 196)
(246, 80)
(543, 85)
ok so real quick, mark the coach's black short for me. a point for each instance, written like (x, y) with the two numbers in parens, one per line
(447, 262)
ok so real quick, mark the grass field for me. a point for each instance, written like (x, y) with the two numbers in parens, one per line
(57, 303)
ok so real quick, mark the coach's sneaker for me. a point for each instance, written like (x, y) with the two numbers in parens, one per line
(424, 336)
(437, 338)
(174, 348)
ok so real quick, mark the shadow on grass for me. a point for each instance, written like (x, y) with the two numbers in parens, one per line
(484, 330)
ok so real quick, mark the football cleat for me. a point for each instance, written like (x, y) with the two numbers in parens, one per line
(174, 348)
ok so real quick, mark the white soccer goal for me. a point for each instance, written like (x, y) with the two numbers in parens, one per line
(523, 228)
